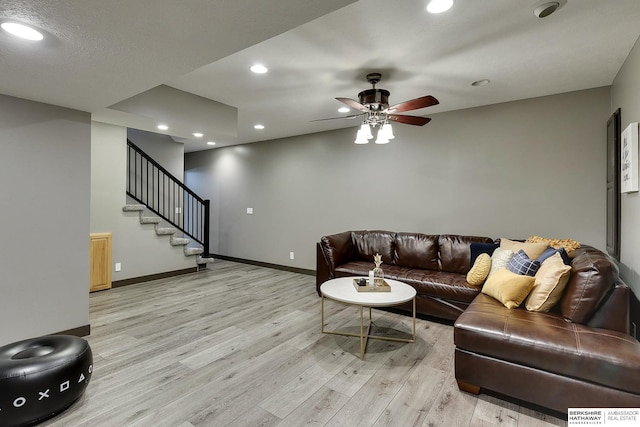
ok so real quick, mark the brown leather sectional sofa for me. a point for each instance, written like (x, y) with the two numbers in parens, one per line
(579, 354)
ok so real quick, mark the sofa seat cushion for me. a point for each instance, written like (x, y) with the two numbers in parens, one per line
(548, 342)
(355, 268)
(439, 284)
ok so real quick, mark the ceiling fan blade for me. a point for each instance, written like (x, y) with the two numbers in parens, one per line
(336, 118)
(409, 120)
(414, 104)
(353, 104)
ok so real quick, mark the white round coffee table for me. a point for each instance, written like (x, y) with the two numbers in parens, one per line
(343, 290)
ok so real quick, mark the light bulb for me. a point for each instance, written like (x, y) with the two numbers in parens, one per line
(388, 131)
(382, 138)
(360, 138)
(366, 131)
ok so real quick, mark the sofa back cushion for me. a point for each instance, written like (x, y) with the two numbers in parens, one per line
(592, 277)
(415, 250)
(455, 252)
(368, 243)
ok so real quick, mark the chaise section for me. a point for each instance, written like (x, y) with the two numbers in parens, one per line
(553, 391)
(551, 359)
(547, 342)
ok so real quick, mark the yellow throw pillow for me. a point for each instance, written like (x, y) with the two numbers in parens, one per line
(532, 249)
(480, 270)
(550, 281)
(508, 288)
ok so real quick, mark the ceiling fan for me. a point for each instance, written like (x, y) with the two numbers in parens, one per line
(374, 106)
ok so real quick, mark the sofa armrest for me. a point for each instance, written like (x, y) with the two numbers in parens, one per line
(332, 251)
(338, 249)
(613, 313)
(323, 269)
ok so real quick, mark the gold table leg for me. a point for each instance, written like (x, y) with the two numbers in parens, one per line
(414, 319)
(322, 315)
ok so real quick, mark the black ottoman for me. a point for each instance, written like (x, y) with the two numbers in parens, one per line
(41, 377)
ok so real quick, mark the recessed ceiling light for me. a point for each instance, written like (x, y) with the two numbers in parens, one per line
(343, 109)
(259, 69)
(439, 6)
(482, 82)
(211, 143)
(22, 31)
(198, 134)
(546, 9)
(163, 127)
(258, 126)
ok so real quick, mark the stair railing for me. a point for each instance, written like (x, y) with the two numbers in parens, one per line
(153, 186)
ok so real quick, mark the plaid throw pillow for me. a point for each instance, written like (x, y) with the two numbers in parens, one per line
(523, 265)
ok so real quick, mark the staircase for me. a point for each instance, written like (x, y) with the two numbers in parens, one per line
(162, 230)
(168, 204)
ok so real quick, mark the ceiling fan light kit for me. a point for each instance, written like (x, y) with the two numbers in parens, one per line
(373, 105)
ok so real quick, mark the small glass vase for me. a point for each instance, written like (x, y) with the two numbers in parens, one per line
(378, 274)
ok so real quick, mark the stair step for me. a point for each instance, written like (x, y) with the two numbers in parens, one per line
(202, 260)
(179, 241)
(193, 251)
(150, 219)
(165, 231)
(133, 208)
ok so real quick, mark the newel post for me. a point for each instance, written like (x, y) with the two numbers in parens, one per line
(207, 220)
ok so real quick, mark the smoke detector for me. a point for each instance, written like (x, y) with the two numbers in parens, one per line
(546, 9)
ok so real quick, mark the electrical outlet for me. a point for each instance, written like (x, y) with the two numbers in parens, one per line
(291, 255)
(178, 210)
(249, 211)
(118, 266)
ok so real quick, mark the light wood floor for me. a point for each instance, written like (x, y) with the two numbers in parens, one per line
(241, 345)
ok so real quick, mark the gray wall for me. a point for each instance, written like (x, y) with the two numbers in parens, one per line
(44, 170)
(625, 94)
(136, 246)
(528, 167)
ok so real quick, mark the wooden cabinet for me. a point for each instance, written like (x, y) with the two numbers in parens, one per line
(100, 261)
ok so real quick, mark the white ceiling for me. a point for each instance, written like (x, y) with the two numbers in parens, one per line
(99, 54)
